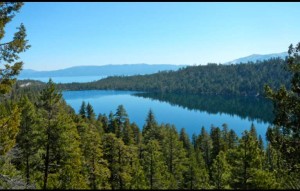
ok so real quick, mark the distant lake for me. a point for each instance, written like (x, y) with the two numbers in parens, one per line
(68, 79)
(184, 111)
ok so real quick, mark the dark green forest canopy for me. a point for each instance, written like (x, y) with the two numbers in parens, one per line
(239, 79)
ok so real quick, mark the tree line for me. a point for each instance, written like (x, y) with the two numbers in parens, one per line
(239, 79)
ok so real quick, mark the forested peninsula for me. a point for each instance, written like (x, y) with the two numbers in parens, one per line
(237, 79)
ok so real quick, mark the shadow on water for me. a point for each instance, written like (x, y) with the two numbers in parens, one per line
(252, 108)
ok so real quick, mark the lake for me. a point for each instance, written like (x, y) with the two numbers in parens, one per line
(184, 111)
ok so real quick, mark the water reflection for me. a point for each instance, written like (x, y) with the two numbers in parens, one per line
(251, 108)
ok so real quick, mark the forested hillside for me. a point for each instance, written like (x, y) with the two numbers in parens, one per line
(52, 147)
(240, 79)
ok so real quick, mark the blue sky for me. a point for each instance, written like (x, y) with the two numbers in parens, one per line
(72, 34)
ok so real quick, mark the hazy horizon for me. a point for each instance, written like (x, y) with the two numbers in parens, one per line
(64, 35)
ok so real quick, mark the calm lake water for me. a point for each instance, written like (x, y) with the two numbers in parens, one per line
(68, 79)
(184, 111)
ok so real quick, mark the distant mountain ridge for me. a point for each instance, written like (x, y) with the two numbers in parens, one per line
(257, 57)
(105, 70)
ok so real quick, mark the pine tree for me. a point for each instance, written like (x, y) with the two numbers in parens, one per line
(221, 171)
(128, 136)
(154, 166)
(287, 111)
(9, 51)
(90, 114)
(112, 123)
(196, 176)
(175, 157)
(96, 166)
(104, 121)
(68, 154)
(138, 180)
(82, 110)
(185, 139)
(62, 162)
(232, 140)
(151, 129)
(120, 118)
(28, 140)
(117, 155)
(205, 145)
(217, 142)
(9, 126)
(225, 136)
(247, 165)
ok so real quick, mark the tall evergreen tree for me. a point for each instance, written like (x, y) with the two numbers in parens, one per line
(112, 123)
(9, 126)
(221, 171)
(205, 145)
(196, 176)
(151, 129)
(128, 136)
(175, 157)
(247, 165)
(217, 142)
(90, 114)
(82, 110)
(232, 139)
(154, 167)
(287, 112)
(9, 51)
(120, 118)
(185, 139)
(96, 166)
(117, 155)
(62, 165)
(28, 140)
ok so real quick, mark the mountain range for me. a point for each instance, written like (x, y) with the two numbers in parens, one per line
(257, 57)
(105, 70)
(131, 69)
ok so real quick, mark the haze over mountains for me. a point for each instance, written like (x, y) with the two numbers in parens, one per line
(131, 69)
(105, 70)
(257, 57)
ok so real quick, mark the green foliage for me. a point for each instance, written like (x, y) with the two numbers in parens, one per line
(118, 158)
(151, 129)
(196, 175)
(174, 156)
(236, 79)
(221, 171)
(90, 114)
(185, 139)
(204, 144)
(94, 163)
(61, 156)
(9, 126)
(28, 140)
(9, 50)
(285, 135)
(10, 178)
(154, 167)
(246, 160)
(82, 110)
